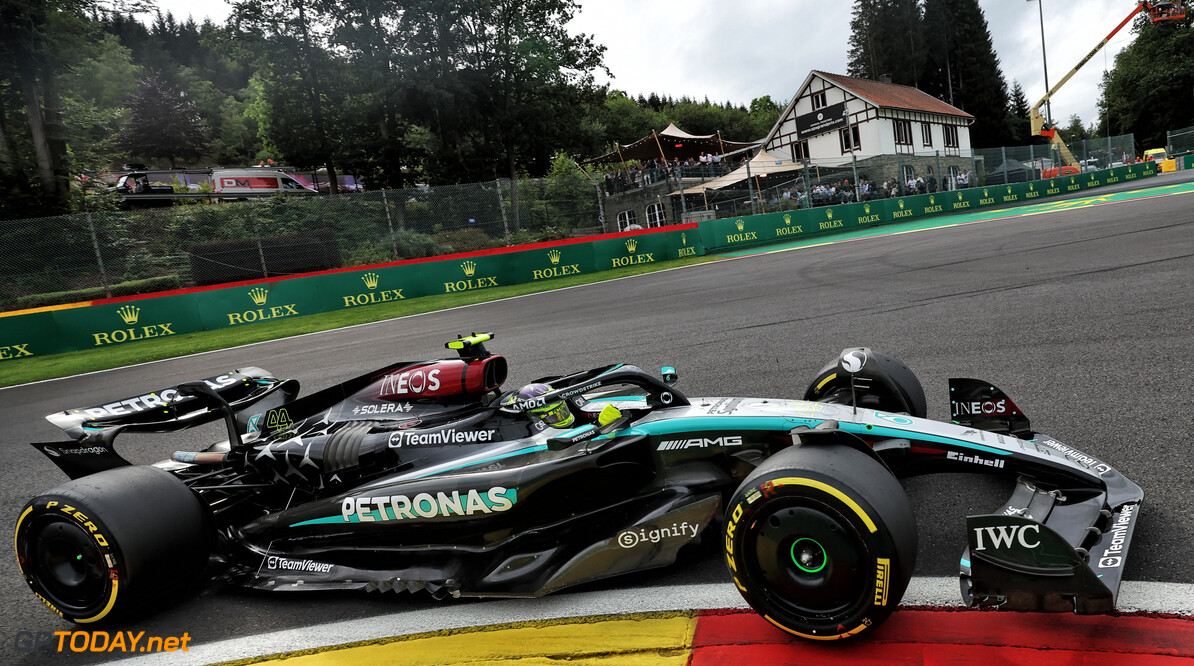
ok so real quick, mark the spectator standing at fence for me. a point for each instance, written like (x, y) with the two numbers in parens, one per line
(932, 183)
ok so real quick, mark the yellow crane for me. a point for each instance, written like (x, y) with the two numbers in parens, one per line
(1158, 12)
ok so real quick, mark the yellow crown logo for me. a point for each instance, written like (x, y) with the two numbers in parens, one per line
(932, 200)
(129, 313)
(787, 218)
(259, 294)
(684, 239)
(1072, 180)
(469, 267)
(901, 203)
(741, 224)
(1032, 186)
(1050, 183)
(959, 196)
(866, 208)
(554, 256)
(829, 213)
(371, 280)
(986, 193)
(631, 244)
(1009, 189)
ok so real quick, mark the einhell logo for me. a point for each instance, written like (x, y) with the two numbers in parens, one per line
(743, 235)
(259, 296)
(130, 315)
(632, 259)
(555, 270)
(374, 295)
(470, 270)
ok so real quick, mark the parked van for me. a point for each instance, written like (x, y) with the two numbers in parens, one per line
(256, 181)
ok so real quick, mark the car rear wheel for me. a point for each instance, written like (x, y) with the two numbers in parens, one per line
(821, 541)
(95, 548)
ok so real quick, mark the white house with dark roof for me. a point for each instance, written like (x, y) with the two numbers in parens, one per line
(835, 119)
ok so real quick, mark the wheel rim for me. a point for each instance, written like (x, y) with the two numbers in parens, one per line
(811, 560)
(68, 566)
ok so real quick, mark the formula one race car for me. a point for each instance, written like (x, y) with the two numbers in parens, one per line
(424, 476)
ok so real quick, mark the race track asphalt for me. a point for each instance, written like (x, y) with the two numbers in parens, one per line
(1083, 316)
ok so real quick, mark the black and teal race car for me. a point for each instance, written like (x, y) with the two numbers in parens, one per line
(427, 476)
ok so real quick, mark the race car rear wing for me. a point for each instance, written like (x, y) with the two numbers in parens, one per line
(93, 429)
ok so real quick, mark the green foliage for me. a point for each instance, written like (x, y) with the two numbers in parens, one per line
(414, 245)
(468, 240)
(164, 123)
(127, 288)
(1149, 91)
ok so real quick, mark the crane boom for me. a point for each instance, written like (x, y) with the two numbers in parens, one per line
(1161, 11)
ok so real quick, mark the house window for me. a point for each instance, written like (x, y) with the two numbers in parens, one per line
(926, 134)
(907, 173)
(849, 139)
(625, 219)
(903, 132)
(819, 101)
(655, 215)
(952, 177)
(799, 151)
(951, 136)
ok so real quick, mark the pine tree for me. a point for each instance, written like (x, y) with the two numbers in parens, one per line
(164, 123)
(886, 39)
(961, 68)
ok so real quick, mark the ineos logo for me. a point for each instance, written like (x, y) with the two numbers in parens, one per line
(853, 361)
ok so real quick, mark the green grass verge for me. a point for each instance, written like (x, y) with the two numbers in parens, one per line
(20, 371)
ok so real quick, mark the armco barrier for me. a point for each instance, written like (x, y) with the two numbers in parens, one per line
(128, 319)
(121, 320)
(756, 230)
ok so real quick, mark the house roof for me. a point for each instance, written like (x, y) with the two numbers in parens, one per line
(893, 96)
(671, 143)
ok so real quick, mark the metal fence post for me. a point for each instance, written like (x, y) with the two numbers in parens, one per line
(1032, 161)
(257, 237)
(99, 257)
(940, 175)
(502, 207)
(385, 204)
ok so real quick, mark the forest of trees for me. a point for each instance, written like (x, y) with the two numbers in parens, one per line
(438, 91)
(944, 47)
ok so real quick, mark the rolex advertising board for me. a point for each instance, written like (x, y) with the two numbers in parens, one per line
(631, 250)
(26, 336)
(131, 321)
(550, 263)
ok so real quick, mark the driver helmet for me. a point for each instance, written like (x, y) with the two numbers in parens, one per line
(555, 414)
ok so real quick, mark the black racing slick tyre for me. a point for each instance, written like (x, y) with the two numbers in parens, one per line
(98, 547)
(893, 387)
(821, 541)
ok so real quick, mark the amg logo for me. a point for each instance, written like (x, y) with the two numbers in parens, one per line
(977, 460)
(1004, 536)
(699, 443)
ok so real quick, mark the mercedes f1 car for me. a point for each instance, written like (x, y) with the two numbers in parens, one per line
(426, 476)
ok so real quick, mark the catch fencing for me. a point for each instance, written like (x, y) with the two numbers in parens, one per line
(1180, 142)
(115, 252)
